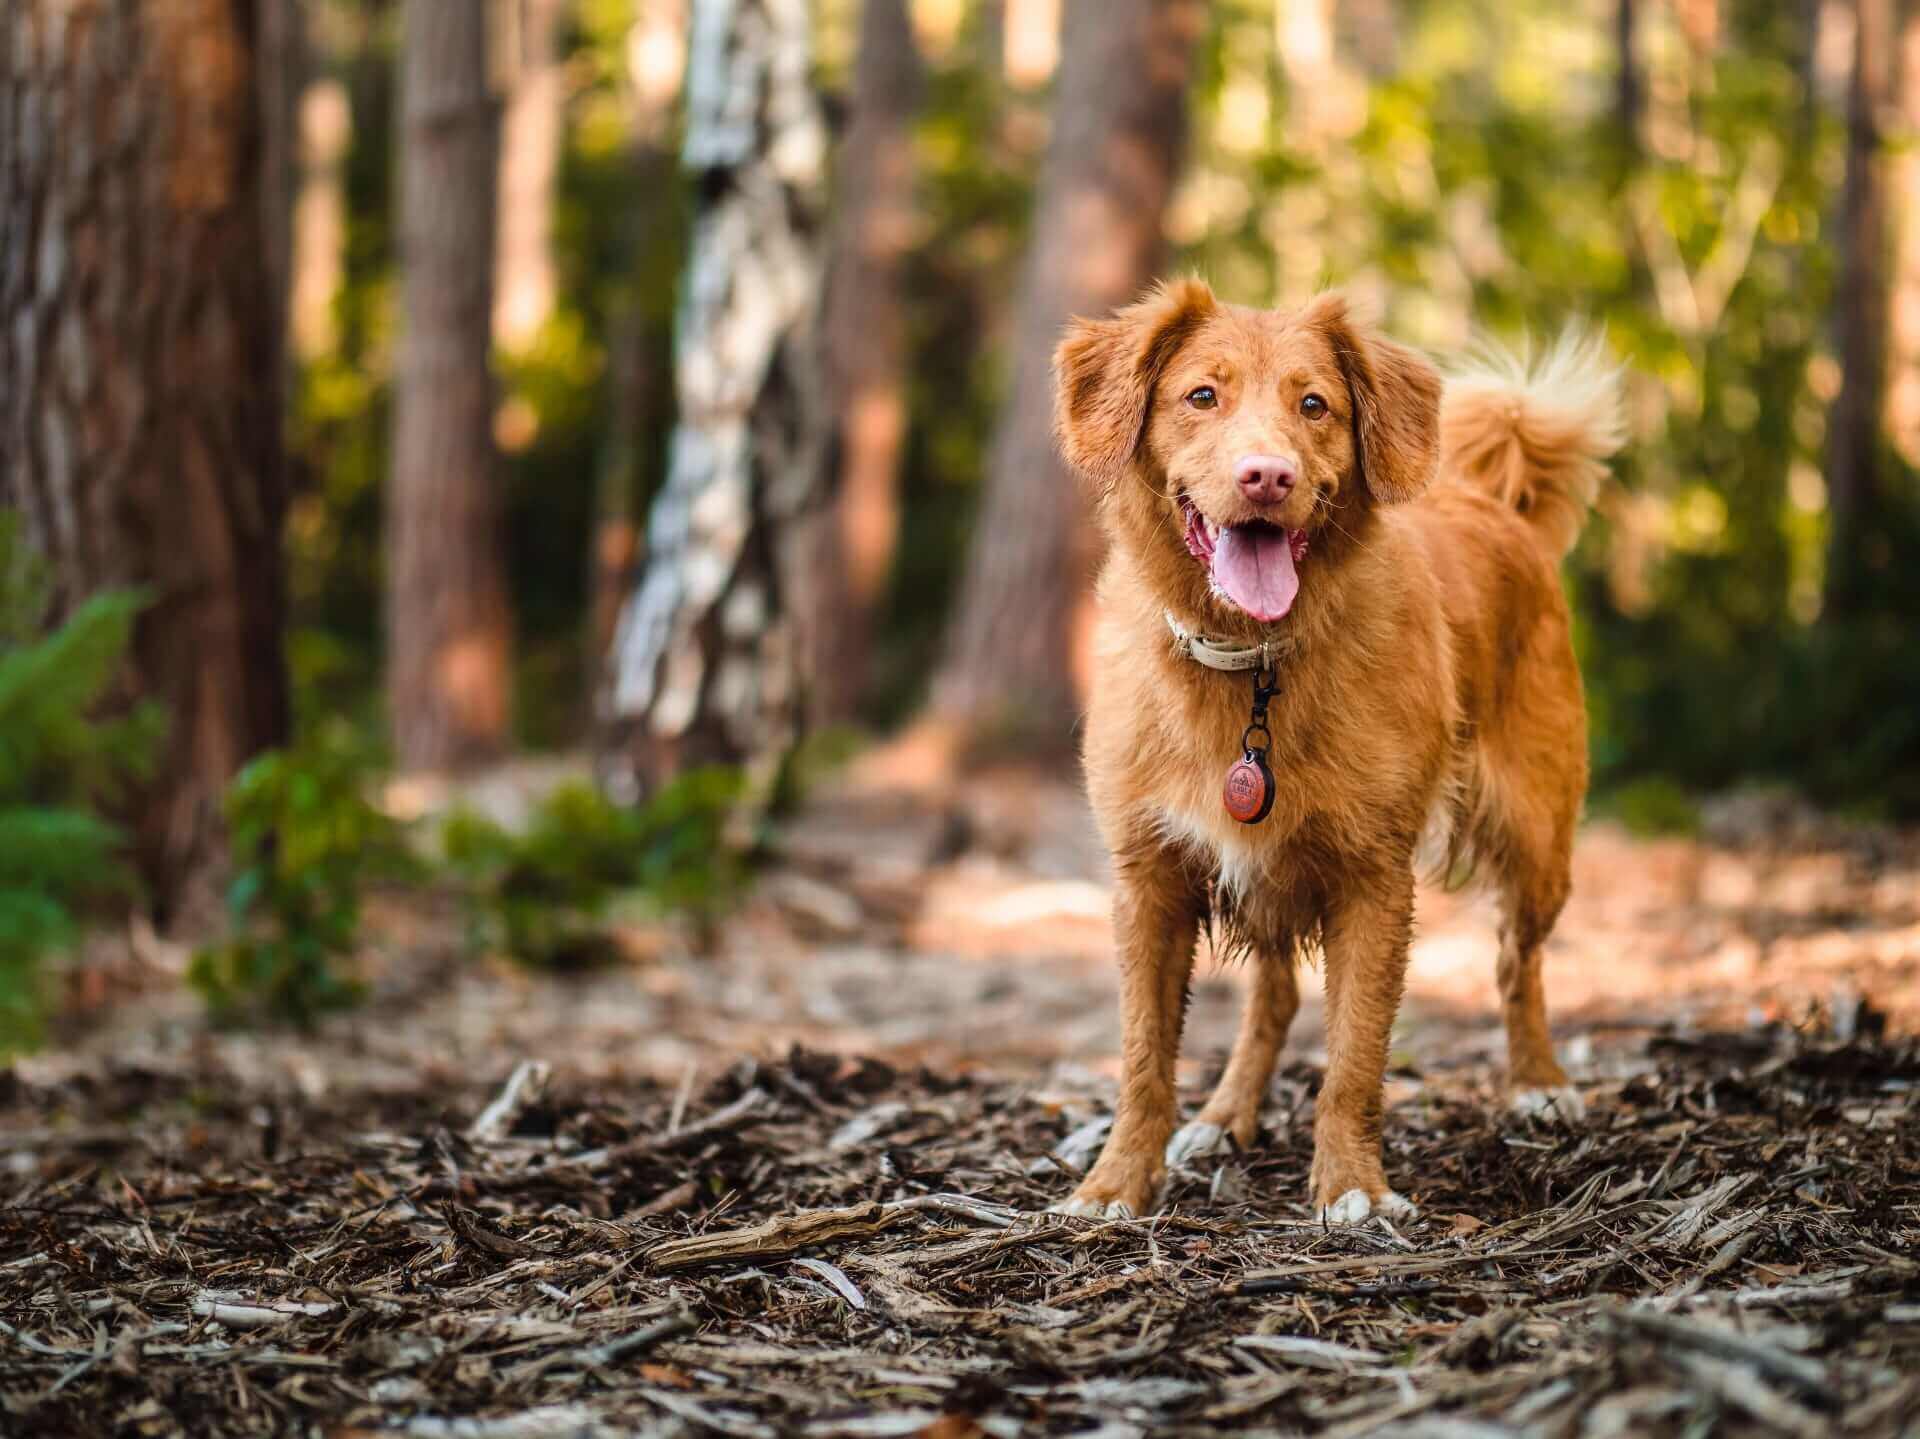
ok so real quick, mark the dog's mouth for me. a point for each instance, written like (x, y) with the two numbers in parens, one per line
(1251, 565)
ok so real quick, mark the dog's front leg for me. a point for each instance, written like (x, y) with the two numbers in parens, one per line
(1156, 916)
(1367, 931)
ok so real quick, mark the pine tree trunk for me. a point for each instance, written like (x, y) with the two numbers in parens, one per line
(1118, 129)
(447, 626)
(1903, 341)
(530, 133)
(706, 664)
(865, 336)
(140, 364)
(1860, 323)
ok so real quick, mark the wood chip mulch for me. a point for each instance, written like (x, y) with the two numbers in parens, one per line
(819, 1246)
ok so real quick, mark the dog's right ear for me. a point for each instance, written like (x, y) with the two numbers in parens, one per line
(1104, 372)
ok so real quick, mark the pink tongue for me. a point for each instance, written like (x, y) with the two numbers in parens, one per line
(1254, 565)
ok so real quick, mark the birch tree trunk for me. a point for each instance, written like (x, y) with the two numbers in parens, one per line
(705, 666)
(865, 334)
(140, 365)
(1118, 130)
(447, 618)
(1860, 322)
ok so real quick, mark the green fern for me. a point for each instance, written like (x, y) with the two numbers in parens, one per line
(307, 843)
(58, 763)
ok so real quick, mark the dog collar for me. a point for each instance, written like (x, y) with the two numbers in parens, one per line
(1223, 654)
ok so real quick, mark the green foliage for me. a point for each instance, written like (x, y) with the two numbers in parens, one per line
(307, 844)
(1651, 806)
(1487, 185)
(543, 896)
(58, 764)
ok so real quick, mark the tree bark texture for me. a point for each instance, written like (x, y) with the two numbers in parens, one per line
(1118, 130)
(706, 663)
(140, 365)
(1860, 319)
(447, 617)
(865, 337)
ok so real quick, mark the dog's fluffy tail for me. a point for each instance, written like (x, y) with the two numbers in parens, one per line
(1535, 431)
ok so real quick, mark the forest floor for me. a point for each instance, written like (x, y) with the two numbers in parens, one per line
(793, 1185)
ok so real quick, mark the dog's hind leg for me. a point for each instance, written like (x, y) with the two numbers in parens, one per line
(1156, 923)
(1273, 996)
(1531, 777)
(1533, 887)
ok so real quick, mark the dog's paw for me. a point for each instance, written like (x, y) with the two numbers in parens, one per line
(1195, 1141)
(1079, 1208)
(1354, 1207)
(1560, 1102)
(1119, 1192)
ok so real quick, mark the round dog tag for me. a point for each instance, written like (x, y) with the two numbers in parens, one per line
(1248, 792)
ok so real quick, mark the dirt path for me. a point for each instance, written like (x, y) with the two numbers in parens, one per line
(240, 1234)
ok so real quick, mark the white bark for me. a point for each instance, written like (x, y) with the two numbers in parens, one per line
(704, 661)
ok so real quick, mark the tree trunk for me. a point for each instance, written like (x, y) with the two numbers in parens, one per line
(1903, 344)
(865, 334)
(1118, 129)
(140, 365)
(705, 667)
(1629, 85)
(447, 622)
(1860, 324)
(530, 131)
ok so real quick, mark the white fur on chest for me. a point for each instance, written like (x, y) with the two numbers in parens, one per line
(1224, 851)
(1237, 858)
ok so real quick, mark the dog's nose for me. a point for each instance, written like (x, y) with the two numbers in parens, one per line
(1264, 479)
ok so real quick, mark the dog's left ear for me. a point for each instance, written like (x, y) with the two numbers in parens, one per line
(1396, 404)
(1104, 372)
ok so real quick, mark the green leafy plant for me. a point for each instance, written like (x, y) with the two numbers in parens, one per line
(59, 764)
(307, 844)
(543, 896)
(1651, 807)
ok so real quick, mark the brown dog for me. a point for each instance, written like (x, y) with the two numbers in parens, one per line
(1290, 492)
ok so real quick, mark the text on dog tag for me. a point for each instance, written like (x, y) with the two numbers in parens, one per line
(1248, 792)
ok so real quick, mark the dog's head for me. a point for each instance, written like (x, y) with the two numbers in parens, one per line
(1229, 439)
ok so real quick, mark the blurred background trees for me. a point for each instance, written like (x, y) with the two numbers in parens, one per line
(447, 608)
(1117, 129)
(865, 347)
(487, 221)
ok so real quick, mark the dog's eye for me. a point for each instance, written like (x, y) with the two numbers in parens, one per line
(1203, 398)
(1313, 407)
